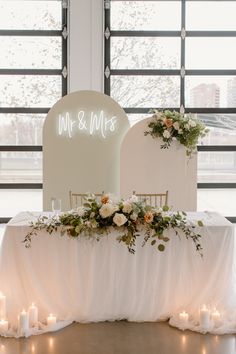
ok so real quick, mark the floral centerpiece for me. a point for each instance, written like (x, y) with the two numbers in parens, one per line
(172, 125)
(94, 219)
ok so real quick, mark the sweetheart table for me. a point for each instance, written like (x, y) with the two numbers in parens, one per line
(88, 281)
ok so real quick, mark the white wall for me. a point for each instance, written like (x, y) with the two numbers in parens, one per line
(85, 54)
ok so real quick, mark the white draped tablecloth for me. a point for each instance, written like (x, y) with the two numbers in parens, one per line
(89, 281)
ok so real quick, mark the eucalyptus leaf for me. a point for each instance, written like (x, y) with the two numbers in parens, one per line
(165, 208)
(161, 247)
(166, 239)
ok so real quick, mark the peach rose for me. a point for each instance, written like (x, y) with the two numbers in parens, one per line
(148, 217)
(168, 122)
(105, 199)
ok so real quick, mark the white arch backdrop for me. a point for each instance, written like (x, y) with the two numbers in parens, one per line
(146, 168)
(82, 139)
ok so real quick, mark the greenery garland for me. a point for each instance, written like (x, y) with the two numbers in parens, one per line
(94, 219)
(172, 125)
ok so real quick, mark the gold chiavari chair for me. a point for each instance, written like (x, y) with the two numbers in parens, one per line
(155, 200)
(77, 199)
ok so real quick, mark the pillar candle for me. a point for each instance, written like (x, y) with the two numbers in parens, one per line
(215, 315)
(24, 321)
(2, 306)
(3, 326)
(204, 317)
(183, 316)
(51, 320)
(33, 315)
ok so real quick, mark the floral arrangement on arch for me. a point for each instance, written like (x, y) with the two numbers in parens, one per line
(172, 125)
(94, 219)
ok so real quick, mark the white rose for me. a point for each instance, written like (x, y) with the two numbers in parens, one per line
(80, 211)
(106, 210)
(134, 216)
(119, 219)
(127, 207)
(133, 198)
(159, 210)
(192, 123)
(176, 125)
(94, 224)
(187, 126)
(166, 134)
(115, 207)
(180, 131)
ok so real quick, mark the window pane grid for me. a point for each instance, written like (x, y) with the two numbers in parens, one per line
(33, 55)
(216, 79)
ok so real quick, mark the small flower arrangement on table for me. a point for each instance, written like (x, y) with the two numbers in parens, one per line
(171, 125)
(130, 217)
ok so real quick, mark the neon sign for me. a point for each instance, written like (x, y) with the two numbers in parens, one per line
(88, 122)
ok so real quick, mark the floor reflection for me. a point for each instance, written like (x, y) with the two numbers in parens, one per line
(120, 338)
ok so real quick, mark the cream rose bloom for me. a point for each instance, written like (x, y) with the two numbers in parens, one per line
(127, 207)
(166, 134)
(134, 216)
(187, 126)
(176, 125)
(133, 198)
(192, 123)
(106, 210)
(94, 224)
(119, 219)
(80, 211)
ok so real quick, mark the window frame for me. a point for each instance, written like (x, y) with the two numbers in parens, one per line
(182, 73)
(43, 110)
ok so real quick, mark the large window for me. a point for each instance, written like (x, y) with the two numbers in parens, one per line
(180, 55)
(33, 76)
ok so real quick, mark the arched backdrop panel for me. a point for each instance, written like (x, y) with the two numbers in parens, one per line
(146, 168)
(82, 139)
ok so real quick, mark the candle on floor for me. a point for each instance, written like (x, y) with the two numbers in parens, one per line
(24, 321)
(3, 326)
(183, 316)
(2, 306)
(51, 320)
(215, 315)
(33, 315)
(204, 317)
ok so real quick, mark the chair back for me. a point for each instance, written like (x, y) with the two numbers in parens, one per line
(77, 199)
(155, 200)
